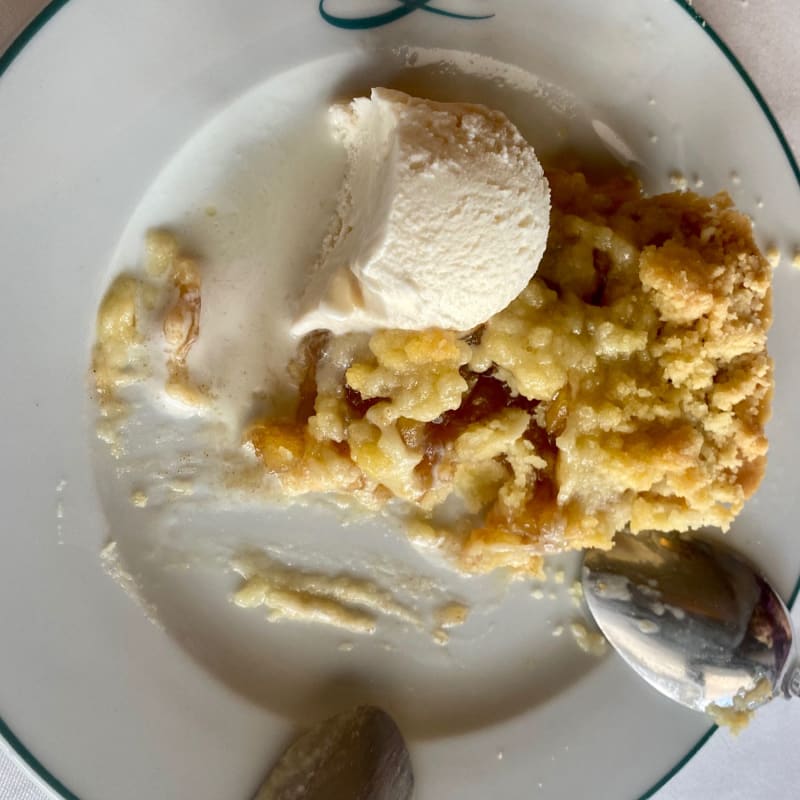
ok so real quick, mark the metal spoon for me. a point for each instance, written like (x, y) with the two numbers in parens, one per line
(694, 619)
(357, 755)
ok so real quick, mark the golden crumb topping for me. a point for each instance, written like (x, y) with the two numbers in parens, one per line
(627, 386)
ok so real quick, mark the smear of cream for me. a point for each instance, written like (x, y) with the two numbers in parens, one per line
(482, 66)
(111, 561)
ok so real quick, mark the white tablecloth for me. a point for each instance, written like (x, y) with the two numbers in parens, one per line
(763, 761)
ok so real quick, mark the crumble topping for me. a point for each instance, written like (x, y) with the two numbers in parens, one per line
(627, 386)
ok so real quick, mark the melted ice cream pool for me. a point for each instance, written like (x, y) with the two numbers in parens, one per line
(253, 193)
(251, 196)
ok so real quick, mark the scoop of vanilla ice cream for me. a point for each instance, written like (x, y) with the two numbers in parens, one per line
(442, 218)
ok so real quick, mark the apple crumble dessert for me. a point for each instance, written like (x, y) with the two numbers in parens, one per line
(627, 386)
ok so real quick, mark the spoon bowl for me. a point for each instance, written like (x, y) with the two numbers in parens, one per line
(694, 619)
(359, 754)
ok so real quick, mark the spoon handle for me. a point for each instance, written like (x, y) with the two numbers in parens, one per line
(791, 680)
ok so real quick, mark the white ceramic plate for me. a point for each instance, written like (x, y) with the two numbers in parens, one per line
(116, 117)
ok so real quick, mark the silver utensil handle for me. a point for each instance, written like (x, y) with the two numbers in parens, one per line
(791, 681)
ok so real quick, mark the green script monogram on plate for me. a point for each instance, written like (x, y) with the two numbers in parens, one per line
(402, 8)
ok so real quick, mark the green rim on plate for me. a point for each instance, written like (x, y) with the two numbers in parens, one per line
(38, 22)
